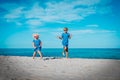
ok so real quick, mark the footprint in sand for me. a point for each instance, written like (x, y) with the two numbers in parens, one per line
(13, 79)
(45, 66)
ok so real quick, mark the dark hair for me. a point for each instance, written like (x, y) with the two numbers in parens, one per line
(66, 28)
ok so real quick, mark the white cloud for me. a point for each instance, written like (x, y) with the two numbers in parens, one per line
(34, 22)
(35, 12)
(58, 29)
(38, 30)
(107, 31)
(92, 25)
(62, 11)
(90, 31)
(59, 12)
(82, 31)
(15, 13)
(18, 23)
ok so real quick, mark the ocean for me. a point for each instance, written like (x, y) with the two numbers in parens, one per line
(89, 53)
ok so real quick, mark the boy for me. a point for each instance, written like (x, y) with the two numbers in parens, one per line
(65, 39)
(37, 45)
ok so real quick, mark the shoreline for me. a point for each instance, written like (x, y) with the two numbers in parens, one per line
(25, 68)
(62, 57)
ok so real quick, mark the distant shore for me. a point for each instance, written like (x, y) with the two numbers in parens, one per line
(25, 68)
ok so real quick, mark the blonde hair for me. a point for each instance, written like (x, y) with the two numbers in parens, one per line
(35, 34)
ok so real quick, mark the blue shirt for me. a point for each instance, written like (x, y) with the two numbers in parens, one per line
(37, 42)
(65, 37)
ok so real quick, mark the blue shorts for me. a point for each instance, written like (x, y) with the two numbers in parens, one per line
(37, 49)
(65, 45)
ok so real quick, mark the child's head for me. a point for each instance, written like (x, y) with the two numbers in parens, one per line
(65, 29)
(36, 36)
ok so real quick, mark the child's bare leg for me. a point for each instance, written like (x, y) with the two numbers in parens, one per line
(66, 50)
(66, 54)
(40, 54)
(34, 54)
(63, 53)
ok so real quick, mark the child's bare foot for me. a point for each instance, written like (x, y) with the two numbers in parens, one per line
(40, 58)
(63, 54)
(67, 58)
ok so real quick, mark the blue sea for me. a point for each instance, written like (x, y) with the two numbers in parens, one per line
(89, 53)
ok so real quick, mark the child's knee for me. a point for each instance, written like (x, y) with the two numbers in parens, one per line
(66, 49)
(34, 52)
(39, 52)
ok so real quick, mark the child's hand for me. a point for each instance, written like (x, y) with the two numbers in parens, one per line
(59, 37)
(34, 47)
(70, 36)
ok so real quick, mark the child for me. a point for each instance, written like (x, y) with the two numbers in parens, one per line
(65, 39)
(37, 45)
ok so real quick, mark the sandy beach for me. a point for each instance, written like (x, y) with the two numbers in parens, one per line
(25, 68)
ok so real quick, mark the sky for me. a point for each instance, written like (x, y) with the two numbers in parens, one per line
(92, 23)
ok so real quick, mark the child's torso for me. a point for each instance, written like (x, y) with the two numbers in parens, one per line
(37, 42)
(65, 37)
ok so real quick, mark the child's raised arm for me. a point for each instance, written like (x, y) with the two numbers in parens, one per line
(59, 37)
(33, 45)
(41, 44)
(70, 36)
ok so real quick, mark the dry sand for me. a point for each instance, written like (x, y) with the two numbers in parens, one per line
(25, 68)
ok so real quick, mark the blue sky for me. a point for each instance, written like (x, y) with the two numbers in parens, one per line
(93, 23)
